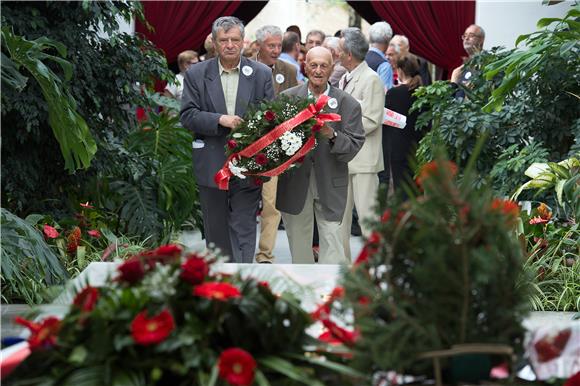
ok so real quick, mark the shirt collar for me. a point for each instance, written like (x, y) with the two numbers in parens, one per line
(350, 74)
(221, 68)
(324, 93)
(375, 49)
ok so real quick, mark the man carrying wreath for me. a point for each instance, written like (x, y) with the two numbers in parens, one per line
(216, 94)
(319, 185)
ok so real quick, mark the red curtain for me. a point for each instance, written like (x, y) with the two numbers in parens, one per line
(433, 27)
(182, 25)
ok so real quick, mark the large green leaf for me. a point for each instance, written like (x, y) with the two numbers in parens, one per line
(70, 129)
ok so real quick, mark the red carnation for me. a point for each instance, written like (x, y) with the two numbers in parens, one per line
(217, 291)
(345, 336)
(146, 331)
(86, 299)
(94, 233)
(237, 367)
(42, 334)
(261, 159)
(194, 270)
(132, 270)
(269, 115)
(50, 232)
(232, 144)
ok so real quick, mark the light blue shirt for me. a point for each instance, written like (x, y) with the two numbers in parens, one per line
(385, 71)
(299, 77)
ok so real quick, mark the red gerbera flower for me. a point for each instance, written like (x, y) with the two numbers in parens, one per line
(217, 291)
(345, 336)
(237, 367)
(86, 299)
(261, 159)
(232, 144)
(269, 115)
(194, 270)
(163, 255)
(50, 232)
(94, 233)
(146, 331)
(42, 334)
(132, 270)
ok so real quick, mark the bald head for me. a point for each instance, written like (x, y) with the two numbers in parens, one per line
(319, 53)
(318, 67)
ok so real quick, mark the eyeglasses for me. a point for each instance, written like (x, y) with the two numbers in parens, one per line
(465, 36)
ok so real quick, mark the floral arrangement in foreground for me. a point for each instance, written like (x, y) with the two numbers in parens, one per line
(441, 269)
(274, 137)
(166, 318)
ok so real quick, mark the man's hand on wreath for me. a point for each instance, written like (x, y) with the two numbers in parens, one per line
(327, 132)
(230, 121)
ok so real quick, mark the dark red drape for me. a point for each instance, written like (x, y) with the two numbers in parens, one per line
(182, 25)
(433, 27)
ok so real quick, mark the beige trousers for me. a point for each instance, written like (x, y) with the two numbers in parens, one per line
(269, 221)
(299, 229)
(362, 194)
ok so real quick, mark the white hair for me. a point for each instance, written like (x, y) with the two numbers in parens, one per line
(380, 32)
(400, 42)
(263, 32)
(332, 42)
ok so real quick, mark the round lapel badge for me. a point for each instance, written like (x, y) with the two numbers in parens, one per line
(247, 70)
(332, 103)
(279, 78)
(468, 75)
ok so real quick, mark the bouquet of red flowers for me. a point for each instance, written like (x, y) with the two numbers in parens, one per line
(166, 318)
(273, 138)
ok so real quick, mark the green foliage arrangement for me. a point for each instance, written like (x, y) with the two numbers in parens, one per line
(29, 265)
(553, 235)
(441, 269)
(170, 318)
(106, 65)
(524, 100)
(76, 143)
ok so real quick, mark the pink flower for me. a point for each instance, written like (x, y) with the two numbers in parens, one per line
(94, 233)
(87, 205)
(50, 232)
(261, 159)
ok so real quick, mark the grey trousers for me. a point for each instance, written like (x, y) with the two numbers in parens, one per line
(229, 219)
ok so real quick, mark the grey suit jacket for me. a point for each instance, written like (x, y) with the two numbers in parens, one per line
(203, 103)
(328, 162)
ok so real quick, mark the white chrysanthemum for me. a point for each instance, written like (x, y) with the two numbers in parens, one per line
(237, 171)
(290, 143)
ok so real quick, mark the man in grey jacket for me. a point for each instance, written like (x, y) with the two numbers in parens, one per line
(216, 94)
(319, 185)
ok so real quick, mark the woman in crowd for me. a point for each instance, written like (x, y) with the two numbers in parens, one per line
(399, 145)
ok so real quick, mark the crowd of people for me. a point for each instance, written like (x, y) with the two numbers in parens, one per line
(362, 75)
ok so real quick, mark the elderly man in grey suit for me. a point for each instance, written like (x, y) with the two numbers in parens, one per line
(367, 88)
(216, 94)
(319, 185)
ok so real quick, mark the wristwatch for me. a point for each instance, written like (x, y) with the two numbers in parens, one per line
(334, 135)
